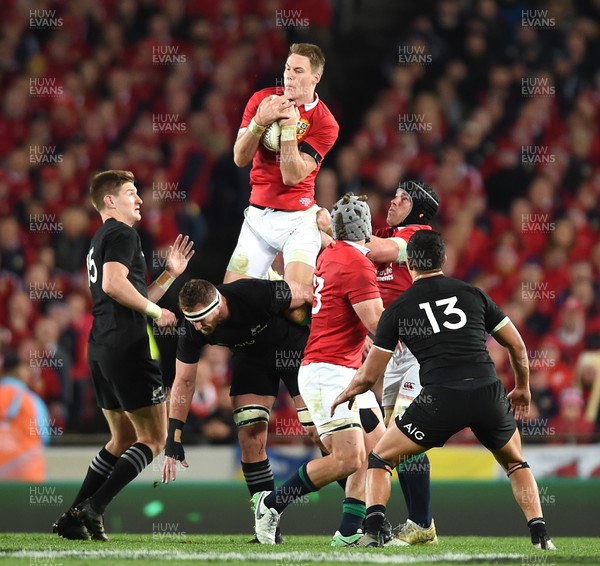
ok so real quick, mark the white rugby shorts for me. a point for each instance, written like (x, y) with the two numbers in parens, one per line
(401, 378)
(266, 232)
(320, 384)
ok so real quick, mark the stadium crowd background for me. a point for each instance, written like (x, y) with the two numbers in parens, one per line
(495, 103)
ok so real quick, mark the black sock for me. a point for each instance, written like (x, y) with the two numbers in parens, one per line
(128, 467)
(297, 486)
(258, 476)
(537, 528)
(99, 470)
(353, 515)
(342, 482)
(374, 519)
(413, 476)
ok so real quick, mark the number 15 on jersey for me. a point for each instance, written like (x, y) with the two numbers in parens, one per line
(92, 270)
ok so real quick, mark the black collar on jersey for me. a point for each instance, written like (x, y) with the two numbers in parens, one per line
(199, 315)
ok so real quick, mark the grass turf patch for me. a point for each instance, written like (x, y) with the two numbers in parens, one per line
(49, 550)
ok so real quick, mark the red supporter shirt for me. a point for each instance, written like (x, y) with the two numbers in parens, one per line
(393, 278)
(344, 277)
(316, 132)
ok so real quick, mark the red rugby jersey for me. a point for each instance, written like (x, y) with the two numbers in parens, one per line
(344, 277)
(393, 278)
(316, 133)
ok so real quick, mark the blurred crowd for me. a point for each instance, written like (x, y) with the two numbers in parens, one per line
(495, 103)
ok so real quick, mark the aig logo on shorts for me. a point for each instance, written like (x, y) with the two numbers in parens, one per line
(412, 429)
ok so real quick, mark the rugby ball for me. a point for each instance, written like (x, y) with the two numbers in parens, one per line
(271, 137)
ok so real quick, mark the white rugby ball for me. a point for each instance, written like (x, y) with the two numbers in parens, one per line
(271, 137)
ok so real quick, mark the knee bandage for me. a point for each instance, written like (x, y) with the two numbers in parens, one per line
(304, 417)
(249, 415)
(516, 467)
(376, 462)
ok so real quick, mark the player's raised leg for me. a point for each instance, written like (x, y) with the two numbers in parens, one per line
(300, 256)
(252, 256)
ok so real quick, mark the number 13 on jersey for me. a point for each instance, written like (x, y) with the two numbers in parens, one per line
(450, 310)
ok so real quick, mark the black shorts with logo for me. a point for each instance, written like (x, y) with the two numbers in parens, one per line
(441, 411)
(127, 379)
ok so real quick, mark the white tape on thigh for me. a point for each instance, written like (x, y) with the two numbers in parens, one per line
(339, 425)
(304, 417)
(249, 415)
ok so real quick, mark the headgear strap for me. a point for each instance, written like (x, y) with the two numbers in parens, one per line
(199, 315)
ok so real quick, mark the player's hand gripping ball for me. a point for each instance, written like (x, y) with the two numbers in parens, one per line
(271, 137)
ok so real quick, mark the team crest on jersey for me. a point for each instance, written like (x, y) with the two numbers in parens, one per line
(301, 128)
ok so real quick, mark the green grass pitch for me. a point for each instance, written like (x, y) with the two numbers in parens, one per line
(34, 549)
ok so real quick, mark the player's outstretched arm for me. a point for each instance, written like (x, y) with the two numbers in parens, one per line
(178, 258)
(179, 406)
(382, 250)
(520, 397)
(116, 285)
(365, 378)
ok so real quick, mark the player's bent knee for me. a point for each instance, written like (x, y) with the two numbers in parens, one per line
(515, 467)
(378, 463)
(253, 439)
(121, 444)
(250, 415)
(350, 464)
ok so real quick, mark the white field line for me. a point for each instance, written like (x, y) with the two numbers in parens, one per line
(291, 558)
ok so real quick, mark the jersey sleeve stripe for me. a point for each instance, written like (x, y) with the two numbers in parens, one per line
(501, 324)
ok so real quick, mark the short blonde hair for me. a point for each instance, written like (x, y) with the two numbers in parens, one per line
(312, 52)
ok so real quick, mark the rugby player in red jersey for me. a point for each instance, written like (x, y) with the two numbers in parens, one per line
(346, 305)
(411, 209)
(282, 212)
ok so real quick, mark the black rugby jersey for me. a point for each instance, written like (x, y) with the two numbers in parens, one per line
(115, 324)
(255, 324)
(444, 322)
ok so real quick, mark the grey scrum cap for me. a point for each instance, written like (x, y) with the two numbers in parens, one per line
(351, 219)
